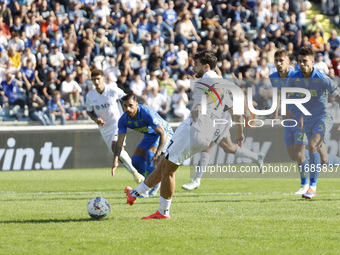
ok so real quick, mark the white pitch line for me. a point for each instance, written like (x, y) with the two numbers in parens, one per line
(176, 194)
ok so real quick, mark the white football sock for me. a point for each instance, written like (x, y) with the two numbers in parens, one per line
(141, 189)
(125, 158)
(245, 152)
(164, 206)
(204, 161)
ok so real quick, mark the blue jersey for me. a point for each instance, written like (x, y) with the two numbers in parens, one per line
(278, 83)
(319, 86)
(146, 122)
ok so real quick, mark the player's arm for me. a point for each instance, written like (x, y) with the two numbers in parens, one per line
(116, 152)
(162, 140)
(95, 118)
(239, 138)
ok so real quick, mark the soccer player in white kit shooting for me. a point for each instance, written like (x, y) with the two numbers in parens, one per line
(194, 135)
(102, 107)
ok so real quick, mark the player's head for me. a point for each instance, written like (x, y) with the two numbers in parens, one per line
(306, 60)
(281, 60)
(204, 62)
(130, 105)
(97, 77)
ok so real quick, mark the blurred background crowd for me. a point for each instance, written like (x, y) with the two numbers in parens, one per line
(48, 49)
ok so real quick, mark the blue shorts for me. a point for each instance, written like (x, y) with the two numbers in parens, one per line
(294, 135)
(321, 126)
(153, 140)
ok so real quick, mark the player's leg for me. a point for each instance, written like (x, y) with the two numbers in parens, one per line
(204, 161)
(125, 159)
(150, 168)
(299, 152)
(153, 179)
(315, 161)
(229, 147)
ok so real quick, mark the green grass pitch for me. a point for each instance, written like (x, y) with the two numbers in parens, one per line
(44, 212)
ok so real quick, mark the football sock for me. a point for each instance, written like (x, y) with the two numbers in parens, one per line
(303, 172)
(307, 154)
(139, 163)
(315, 159)
(164, 206)
(141, 189)
(246, 153)
(204, 161)
(125, 158)
(149, 164)
(333, 160)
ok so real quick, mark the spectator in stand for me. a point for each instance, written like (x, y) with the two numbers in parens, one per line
(27, 75)
(4, 28)
(86, 85)
(56, 108)
(112, 69)
(158, 102)
(317, 41)
(52, 84)
(41, 75)
(183, 58)
(69, 68)
(180, 101)
(314, 26)
(69, 52)
(334, 40)
(70, 90)
(183, 82)
(167, 85)
(6, 13)
(35, 108)
(152, 82)
(29, 55)
(17, 26)
(165, 30)
(3, 57)
(170, 15)
(170, 58)
(56, 59)
(32, 28)
(185, 30)
(15, 57)
(320, 64)
(293, 30)
(137, 86)
(16, 42)
(12, 90)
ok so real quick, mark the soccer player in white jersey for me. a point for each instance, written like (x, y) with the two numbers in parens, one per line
(194, 135)
(102, 107)
(222, 138)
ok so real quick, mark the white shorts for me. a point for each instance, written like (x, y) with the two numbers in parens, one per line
(186, 142)
(222, 131)
(110, 134)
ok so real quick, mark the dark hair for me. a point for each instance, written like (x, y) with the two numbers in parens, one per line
(206, 57)
(128, 97)
(281, 52)
(97, 72)
(305, 51)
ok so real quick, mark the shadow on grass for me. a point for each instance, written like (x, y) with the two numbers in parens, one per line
(46, 221)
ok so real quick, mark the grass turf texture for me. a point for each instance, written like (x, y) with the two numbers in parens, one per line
(44, 212)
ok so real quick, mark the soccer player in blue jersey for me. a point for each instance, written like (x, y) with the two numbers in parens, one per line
(295, 138)
(320, 121)
(157, 134)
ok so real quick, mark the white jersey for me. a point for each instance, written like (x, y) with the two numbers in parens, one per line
(214, 110)
(105, 106)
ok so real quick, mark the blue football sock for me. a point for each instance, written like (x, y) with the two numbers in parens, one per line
(149, 167)
(315, 159)
(307, 154)
(303, 172)
(333, 160)
(138, 162)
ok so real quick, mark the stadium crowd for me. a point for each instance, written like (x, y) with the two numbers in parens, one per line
(48, 49)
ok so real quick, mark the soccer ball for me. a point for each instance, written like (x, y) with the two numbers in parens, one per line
(98, 208)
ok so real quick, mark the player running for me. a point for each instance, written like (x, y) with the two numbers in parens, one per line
(294, 138)
(157, 134)
(194, 135)
(222, 138)
(320, 122)
(102, 107)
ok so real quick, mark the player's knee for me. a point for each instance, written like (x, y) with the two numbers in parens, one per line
(138, 162)
(312, 147)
